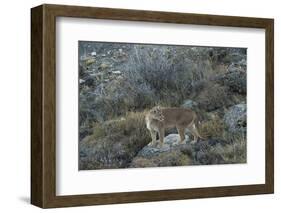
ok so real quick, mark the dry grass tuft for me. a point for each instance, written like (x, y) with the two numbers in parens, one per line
(133, 122)
(213, 128)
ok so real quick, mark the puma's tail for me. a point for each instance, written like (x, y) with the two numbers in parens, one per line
(196, 123)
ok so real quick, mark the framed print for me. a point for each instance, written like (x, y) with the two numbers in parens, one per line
(136, 106)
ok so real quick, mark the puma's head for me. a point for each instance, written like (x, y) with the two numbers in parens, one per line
(156, 113)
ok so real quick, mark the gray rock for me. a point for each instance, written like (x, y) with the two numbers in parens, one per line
(170, 141)
(233, 68)
(81, 81)
(116, 72)
(189, 104)
(236, 118)
(237, 58)
(243, 62)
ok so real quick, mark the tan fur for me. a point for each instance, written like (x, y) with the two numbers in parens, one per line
(158, 119)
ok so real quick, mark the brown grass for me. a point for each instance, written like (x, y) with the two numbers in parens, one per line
(132, 125)
(236, 151)
(213, 128)
(172, 158)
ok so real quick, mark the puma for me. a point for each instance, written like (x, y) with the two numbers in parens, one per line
(160, 118)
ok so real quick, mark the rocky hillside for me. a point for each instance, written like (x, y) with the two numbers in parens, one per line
(120, 82)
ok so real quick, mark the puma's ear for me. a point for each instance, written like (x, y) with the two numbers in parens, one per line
(158, 109)
(161, 118)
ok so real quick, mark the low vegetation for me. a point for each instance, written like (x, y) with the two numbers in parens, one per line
(114, 143)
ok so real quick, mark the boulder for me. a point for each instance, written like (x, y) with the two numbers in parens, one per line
(169, 154)
(170, 141)
(189, 104)
(81, 81)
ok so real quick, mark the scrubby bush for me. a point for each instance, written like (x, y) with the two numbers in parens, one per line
(167, 71)
(235, 118)
(211, 96)
(235, 81)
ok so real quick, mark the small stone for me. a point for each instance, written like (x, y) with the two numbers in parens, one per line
(103, 66)
(117, 72)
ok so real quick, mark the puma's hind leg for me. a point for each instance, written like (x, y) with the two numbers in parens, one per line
(195, 137)
(195, 133)
(181, 132)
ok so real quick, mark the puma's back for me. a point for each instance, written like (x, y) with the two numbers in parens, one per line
(160, 118)
(178, 116)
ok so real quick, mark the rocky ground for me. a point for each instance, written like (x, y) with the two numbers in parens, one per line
(204, 152)
(173, 153)
(121, 151)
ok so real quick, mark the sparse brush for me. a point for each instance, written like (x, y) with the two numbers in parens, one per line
(234, 151)
(167, 71)
(237, 149)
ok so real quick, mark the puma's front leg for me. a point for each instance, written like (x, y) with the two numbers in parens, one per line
(161, 136)
(153, 136)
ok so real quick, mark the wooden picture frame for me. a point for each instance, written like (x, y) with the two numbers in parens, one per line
(43, 105)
